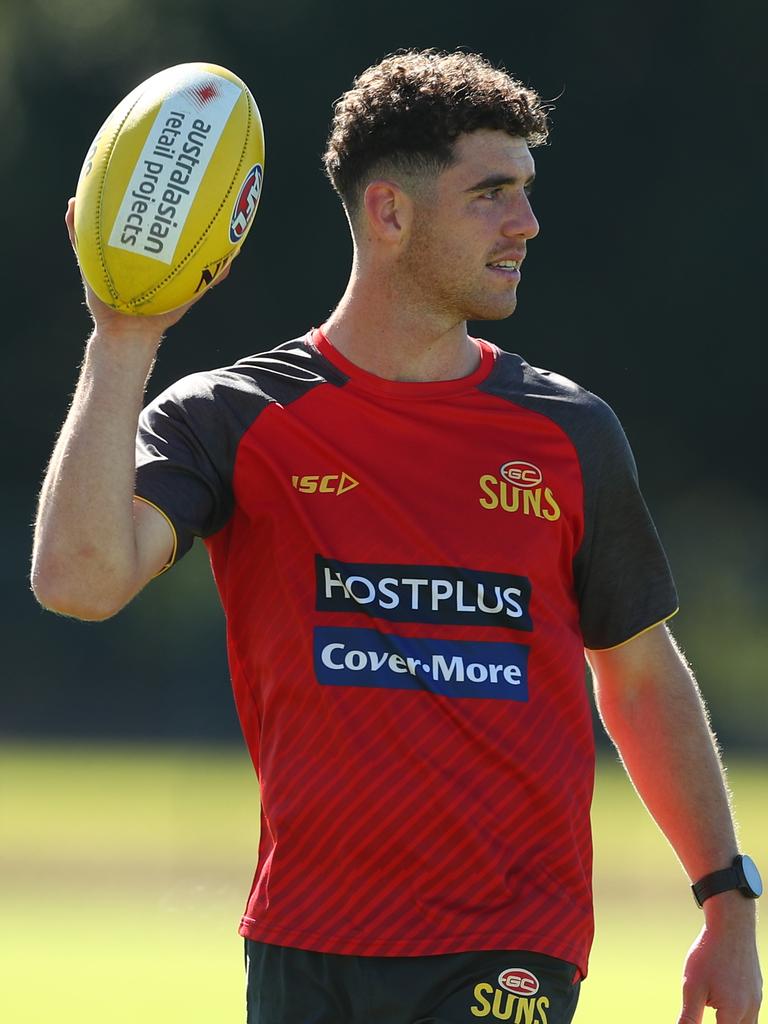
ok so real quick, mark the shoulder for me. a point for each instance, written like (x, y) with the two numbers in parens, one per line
(283, 372)
(579, 412)
(242, 390)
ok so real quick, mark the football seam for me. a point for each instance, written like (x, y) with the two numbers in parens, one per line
(99, 208)
(145, 295)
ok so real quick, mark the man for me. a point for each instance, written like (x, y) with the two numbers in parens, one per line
(415, 537)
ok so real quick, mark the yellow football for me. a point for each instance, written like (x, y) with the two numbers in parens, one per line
(169, 188)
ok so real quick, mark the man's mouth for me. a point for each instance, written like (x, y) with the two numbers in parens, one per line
(505, 264)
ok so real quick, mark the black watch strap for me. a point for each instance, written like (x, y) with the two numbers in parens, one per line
(741, 875)
(711, 885)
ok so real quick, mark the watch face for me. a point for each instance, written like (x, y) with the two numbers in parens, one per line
(752, 875)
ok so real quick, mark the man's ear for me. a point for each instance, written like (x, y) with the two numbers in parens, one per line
(388, 211)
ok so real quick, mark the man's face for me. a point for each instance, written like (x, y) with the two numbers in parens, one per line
(470, 231)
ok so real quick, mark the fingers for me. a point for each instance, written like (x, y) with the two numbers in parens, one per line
(732, 1008)
(694, 1004)
(693, 1014)
(69, 220)
(736, 1015)
(107, 315)
(222, 276)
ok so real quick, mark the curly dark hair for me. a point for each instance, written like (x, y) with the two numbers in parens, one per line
(406, 112)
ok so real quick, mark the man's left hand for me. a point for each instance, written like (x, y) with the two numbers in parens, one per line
(722, 968)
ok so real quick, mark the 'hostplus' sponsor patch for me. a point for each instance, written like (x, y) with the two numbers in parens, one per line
(424, 593)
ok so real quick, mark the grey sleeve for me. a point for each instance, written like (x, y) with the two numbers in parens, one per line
(185, 451)
(622, 577)
(621, 574)
(188, 437)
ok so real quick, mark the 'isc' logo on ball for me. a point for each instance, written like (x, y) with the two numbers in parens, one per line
(245, 204)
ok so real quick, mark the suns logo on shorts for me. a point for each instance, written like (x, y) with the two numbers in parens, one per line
(498, 1003)
(519, 981)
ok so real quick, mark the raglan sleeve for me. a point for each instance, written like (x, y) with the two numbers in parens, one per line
(184, 459)
(623, 579)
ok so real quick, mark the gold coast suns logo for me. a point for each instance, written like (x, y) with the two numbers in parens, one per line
(514, 997)
(519, 487)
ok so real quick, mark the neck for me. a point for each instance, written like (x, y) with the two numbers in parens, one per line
(378, 328)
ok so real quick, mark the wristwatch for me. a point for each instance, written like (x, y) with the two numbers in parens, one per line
(742, 875)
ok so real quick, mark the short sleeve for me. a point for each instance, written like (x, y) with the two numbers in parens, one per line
(623, 580)
(186, 446)
(189, 436)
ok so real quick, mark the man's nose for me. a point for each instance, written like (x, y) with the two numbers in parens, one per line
(522, 220)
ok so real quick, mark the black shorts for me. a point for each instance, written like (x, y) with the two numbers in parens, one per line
(295, 986)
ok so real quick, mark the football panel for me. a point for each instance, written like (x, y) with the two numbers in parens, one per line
(149, 284)
(88, 199)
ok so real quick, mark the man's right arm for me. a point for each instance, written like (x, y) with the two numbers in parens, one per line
(95, 546)
(93, 551)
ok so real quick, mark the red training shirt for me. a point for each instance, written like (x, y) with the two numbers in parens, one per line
(410, 573)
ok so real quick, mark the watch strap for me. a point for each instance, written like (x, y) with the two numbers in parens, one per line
(716, 882)
(742, 875)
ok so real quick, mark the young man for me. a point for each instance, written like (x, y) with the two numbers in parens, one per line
(415, 536)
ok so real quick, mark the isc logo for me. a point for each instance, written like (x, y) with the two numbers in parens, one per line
(331, 483)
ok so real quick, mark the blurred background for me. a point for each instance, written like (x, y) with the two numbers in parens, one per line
(127, 810)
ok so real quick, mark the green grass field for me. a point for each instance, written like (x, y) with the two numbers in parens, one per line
(124, 870)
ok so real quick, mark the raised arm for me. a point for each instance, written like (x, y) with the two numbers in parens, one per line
(95, 546)
(652, 709)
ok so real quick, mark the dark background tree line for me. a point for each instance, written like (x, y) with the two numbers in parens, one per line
(645, 285)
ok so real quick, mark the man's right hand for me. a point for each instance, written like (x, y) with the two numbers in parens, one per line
(114, 323)
(95, 546)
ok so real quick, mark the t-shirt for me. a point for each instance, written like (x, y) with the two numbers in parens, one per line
(410, 573)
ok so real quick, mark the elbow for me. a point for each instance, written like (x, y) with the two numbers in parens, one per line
(71, 596)
(73, 606)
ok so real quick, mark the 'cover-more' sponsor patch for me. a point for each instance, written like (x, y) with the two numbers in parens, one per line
(452, 668)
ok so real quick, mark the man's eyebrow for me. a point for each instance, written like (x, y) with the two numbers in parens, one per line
(496, 180)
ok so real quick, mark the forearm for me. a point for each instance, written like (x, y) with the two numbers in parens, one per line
(651, 707)
(657, 720)
(85, 552)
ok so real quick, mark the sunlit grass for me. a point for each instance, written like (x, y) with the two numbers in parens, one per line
(123, 873)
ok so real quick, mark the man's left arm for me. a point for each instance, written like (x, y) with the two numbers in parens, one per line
(652, 709)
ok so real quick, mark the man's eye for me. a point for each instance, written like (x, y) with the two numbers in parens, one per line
(528, 189)
(492, 193)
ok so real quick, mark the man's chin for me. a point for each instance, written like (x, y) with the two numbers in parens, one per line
(494, 311)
